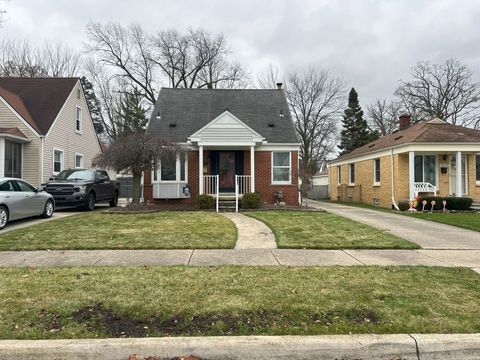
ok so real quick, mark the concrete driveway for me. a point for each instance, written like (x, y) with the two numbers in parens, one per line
(427, 234)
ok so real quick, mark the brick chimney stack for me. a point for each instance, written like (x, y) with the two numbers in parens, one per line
(279, 86)
(405, 121)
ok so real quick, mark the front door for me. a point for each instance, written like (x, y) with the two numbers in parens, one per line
(226, 171)
(453, 175)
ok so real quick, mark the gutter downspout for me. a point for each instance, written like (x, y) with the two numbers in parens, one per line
(42, 153)
(394, 203)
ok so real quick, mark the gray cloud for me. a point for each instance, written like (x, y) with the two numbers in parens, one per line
(371, 44)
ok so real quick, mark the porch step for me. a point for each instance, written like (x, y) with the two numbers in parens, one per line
(226, 203)
(476, 206)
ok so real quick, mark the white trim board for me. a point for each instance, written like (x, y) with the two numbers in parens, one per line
(25, 122)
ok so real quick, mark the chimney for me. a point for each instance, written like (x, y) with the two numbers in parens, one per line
(405, 121)
(279, 86)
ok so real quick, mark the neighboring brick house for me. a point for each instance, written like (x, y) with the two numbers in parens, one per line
(429, 157)
(45, 127)
(235, 140)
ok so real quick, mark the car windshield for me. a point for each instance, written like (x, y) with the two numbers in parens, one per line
(75, 175)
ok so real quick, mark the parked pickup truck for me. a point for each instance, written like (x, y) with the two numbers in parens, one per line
(83, 188)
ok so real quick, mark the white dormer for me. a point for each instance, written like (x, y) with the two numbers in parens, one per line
(226, 130)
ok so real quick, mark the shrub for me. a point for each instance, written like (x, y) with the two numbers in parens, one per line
(251, 201)
(205, 201)
(403, 205)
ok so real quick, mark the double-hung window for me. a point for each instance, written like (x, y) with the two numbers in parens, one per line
(78, 120)
(281, 168)
(57, 161)
(339, 174)
(477, 168)
(376, 172)
(78, 161)
(351, 174)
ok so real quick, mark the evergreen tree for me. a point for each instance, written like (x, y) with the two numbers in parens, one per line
(133, 116)
(93, 105)
(355, 131)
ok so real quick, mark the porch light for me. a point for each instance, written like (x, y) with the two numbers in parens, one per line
(158, 115)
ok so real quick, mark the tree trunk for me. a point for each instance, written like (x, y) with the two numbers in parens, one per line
(136, 188)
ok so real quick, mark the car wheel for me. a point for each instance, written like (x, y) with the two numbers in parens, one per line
(90, 205)
(3, 217)
(114, 201)
(48, 210)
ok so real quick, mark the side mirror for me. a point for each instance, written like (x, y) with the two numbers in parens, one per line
(39, 189)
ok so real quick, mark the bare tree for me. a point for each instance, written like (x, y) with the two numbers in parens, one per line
(316, 99)
(446, 91)
(134, 153)
(382, 116)
(21, 58)
(270, 78)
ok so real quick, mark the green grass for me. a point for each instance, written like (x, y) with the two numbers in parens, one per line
(466, 220)
(470, 221)
(103, 302)
(321, 230)
(161, 230)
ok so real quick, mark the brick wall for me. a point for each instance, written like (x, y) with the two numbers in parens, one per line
(263, 181)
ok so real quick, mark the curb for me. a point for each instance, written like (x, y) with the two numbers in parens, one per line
(395, 346)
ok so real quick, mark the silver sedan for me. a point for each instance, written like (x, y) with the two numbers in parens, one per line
(19, 199)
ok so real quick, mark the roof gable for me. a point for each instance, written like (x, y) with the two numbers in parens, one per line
(37, 100)
(226, 129)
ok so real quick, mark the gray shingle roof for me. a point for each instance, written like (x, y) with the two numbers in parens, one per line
(191, 109)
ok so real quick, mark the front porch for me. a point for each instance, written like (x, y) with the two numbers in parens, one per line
(441, 173)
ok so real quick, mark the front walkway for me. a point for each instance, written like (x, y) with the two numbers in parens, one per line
(252, 234)
(256, 257)
(427, 234)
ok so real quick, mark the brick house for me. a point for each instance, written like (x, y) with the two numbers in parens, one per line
(429, 157)
(235, 142)
(45, 127)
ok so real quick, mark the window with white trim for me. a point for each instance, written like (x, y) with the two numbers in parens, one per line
(58, 162)
(12, 159)
(477, 167)
(339, 174)
(78, 120)
(425, 169)
(351, 174)
(376, 172)
(171, 168)
(281, 167)
(78, 161)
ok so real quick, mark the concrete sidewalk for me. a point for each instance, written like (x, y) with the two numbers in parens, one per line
(427, 234)
(254, 257)
(252, 234)
(401, 346)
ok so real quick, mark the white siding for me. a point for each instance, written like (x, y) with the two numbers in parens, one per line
(31, 151)
(62, 135)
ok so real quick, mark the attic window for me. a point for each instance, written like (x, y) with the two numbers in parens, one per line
(398, 137)
(271, 125)
(78, 93)
(172, 125)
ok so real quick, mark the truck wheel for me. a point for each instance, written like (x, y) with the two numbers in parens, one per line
(114, 201)
(3, 217)
(90, 203)
(48, 210)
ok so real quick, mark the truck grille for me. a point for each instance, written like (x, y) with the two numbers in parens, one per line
(60, 189)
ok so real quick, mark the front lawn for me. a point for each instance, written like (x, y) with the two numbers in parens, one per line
(321, 230)
(102, 302)
(161, 230)
(470, 221)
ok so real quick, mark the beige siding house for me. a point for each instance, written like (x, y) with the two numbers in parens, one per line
(45, 127)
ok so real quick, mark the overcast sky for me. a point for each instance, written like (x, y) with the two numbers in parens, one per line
(371, 44)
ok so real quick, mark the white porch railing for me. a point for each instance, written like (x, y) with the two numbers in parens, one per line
(243, 185)
(211, 187)
(424, 187)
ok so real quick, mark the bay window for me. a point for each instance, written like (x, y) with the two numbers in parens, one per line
(281, 168)
(171, 168)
